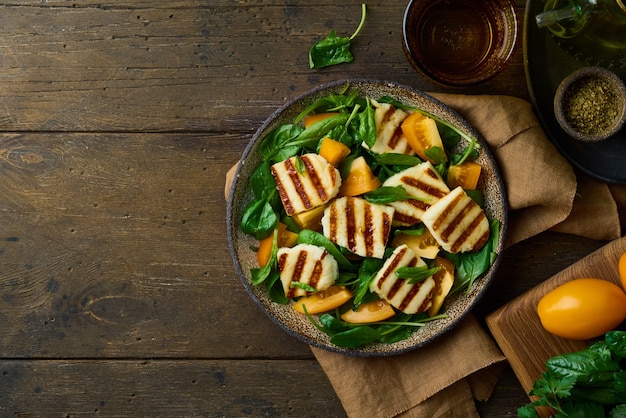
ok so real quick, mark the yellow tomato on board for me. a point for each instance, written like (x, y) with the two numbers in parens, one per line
(622, 270)
(582, 308)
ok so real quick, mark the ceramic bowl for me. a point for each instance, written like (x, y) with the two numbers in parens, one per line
(590, 104)
(460, 42)
(244, 257)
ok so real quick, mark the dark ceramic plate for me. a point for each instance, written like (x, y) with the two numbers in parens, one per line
(546, 66)
(245, 259)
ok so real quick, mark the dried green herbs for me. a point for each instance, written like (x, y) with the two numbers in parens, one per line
(591, 106)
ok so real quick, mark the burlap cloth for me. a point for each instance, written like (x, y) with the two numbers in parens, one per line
(444, 378)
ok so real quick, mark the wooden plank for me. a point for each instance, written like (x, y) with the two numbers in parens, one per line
(118, 67)
(516, 326)
(115, 245)
(163, 388)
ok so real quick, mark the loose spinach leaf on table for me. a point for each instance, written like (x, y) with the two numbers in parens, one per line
(334, 49)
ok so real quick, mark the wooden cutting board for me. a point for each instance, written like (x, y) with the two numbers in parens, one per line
(516, 326)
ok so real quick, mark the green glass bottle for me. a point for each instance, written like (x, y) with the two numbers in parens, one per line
(593, 31)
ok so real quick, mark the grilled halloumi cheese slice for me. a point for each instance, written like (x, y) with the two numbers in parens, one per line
(421, 181)
(389, 135)
(457, 222)
(305, 182)
(307, 264)
(358, 225)
(402, 295)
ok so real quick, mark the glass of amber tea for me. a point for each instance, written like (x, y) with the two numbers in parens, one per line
(460, 42)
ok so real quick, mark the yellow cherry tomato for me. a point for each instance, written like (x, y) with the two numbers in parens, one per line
(323, 301)
(374, 311)
(582, 308)
(622, 270)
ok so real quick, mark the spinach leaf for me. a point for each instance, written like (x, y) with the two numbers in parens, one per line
(259, 275)
(355, 337)
(340, 103)
(333, 49)
(275, 288)
(369, 267)
(394, 159)
(367, 125)
(388, 194)
(259, 219)
(277, 140)
(470, 266)
(263, 185)
(396, 103)
(416, 274)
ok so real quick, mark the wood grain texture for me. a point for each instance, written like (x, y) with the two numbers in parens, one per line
(162, 388)
(118, 122)
(114, 245)
(516, 326)
(170, 66)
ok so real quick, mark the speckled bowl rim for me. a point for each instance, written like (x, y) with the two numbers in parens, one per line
(299, 326)
(567, 82)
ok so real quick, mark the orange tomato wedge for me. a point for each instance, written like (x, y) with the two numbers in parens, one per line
(465, 175)
(359, 180)
(374, 311)
(285, 238)
(444, 279)
(422, 134)
(333, 151)
(424, 246)
(324, 300)
(312, 119)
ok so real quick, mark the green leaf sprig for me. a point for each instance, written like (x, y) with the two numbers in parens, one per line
(334, 49)
(588, 383)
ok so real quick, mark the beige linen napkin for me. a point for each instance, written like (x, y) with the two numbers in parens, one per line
(544, 192)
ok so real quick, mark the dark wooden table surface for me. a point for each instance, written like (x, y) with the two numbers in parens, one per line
(118, 122)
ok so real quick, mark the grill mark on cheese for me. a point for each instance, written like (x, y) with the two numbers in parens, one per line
(369, 231)
(295, 179)
(393, 266)
(351, 224)
(284, 196)
(395, 139)
(315, 180)
(446, 212)
(469, 231)
(316, 274)
(457, 221)
(386, 226)
(426, 188)
(389, 111)
(332, 213)
(399, 283)
(409, 296)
